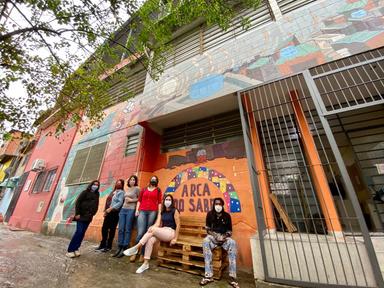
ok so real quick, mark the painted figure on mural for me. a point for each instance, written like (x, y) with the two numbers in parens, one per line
(113, 205)
(219, 229)
(127, 215)
(147, 211)
(86, 207)
(166, 229)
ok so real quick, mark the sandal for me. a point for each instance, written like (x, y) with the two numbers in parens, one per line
(233, 282)
(206, 281)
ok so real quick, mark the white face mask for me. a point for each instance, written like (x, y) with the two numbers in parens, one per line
(94, 188)
(218, 208)
(167, 203)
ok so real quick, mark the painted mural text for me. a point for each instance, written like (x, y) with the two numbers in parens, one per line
(196, 196)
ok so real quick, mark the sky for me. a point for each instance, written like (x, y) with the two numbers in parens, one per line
(16, 90)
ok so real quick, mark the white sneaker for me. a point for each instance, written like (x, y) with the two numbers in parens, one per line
(131, 251)
(77, 253)
(70, 254)
(142, 268)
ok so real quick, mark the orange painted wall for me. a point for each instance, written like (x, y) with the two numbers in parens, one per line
(236, 172)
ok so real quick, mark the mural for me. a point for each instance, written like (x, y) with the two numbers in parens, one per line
(322, 31)
(120, 120)
(319, 32)
(196, 191)
(229, 150)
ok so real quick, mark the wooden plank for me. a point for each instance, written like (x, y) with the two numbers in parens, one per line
(185, 260)
(283, 214)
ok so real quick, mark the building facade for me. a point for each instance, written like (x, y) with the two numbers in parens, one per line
(284, 121)
(42, 170)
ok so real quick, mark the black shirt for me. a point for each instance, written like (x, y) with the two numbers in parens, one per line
(219, 223)
(87, 204)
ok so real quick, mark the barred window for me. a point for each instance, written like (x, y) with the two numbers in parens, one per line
(211, 130)
(132, 144)
(87, 164)
(49, 180)
(39, 181)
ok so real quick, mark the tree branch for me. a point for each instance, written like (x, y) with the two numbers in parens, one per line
(4, 8)
(6, 36)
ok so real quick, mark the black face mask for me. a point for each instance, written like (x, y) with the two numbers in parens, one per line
(153, 182)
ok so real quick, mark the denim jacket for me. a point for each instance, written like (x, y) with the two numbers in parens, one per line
(118, 200)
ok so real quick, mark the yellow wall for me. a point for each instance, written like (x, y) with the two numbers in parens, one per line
(2, 169)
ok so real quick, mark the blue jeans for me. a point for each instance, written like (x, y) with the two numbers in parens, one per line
(77, 238)
(126, 220)
(145, 220)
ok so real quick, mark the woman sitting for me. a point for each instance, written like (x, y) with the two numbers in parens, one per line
(166, 229)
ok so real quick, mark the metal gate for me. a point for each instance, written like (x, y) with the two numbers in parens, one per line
(15, 197)
(307, 235)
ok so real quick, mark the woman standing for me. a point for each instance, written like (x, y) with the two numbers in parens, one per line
(147, 208)
(127, 215)
(166, 229)
(113, 205)
(86, 207)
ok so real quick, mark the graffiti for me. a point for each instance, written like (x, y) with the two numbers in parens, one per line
(231, 149)
(223, 185)
(317, 33)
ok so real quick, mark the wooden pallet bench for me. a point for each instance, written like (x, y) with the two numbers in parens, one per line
(187, 254)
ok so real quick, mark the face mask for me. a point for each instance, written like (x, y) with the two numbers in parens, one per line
(94, 188)
(153, 182)
(218, 208)
(167, 203)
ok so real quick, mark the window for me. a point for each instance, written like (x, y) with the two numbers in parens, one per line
(49, 180)
(38, 185)
(287, 6)
(132, 143)
(211, 130)
(87, 164)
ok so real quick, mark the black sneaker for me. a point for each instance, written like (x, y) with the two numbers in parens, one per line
(118, 252)
(99, 249)
(105, 250)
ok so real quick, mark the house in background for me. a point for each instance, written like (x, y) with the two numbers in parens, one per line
(11, 186)
(42, 170)
(284, 121)
(11, 155)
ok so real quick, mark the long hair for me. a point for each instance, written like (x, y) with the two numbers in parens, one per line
(163, 208)
(157, 180)
(217, 199)
(122, 184)
(136, 180)
(90, 185)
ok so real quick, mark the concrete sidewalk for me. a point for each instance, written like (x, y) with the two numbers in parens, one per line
(34, 260)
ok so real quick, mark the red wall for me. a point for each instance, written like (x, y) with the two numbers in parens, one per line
(53, 150)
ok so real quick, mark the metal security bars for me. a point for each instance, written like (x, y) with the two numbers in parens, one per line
(211, 130)
(351, 83)
(312, 235)
(361, 133)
